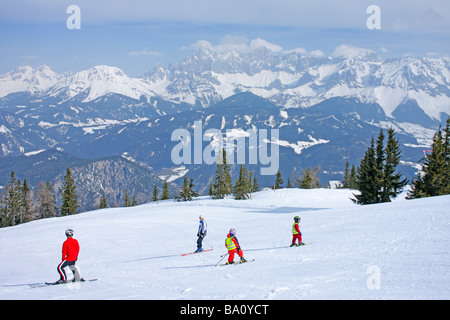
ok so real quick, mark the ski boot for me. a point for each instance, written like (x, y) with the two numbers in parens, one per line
(60, 281)
(243, 260)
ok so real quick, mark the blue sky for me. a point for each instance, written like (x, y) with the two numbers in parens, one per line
(135, 35)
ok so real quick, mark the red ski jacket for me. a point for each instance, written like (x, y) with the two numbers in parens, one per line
(70, 249)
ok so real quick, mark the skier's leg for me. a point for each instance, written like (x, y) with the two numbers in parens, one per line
(241, 254)
(62, 273)
(231, 255)
(199, 242)
(76, 274)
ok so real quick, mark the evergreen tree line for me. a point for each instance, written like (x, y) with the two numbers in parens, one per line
(246, 183)
(434, 176)
(19, 204)
(131, 202)
(376, 177)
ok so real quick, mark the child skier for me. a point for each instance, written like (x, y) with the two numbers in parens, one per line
(296, 234)
(201, 233)
(232, 245)
(70, 251)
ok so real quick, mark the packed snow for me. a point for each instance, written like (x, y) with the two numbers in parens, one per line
(397, 250)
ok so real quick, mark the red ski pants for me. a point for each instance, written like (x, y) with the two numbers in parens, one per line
(232, 252)
(296, 236)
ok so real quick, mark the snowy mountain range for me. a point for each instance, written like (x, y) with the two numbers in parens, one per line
(326, 108)
(288, 79)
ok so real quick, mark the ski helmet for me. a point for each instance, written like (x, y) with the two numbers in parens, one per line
(232, 232)
(69, 232)
(297, 219)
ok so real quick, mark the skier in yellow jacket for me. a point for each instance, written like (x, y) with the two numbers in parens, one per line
(296, 234)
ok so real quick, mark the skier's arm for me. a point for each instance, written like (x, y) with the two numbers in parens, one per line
(236, 242)
(64, 251)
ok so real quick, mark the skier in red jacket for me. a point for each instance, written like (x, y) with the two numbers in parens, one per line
(70, 251)
(232, 245)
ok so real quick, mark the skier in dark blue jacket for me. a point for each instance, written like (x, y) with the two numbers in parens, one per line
(201, 233)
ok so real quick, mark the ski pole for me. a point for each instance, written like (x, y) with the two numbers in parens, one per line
(222, 256)
(208, 244)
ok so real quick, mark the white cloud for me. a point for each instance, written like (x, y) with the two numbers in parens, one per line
(317, 53)
(347, 51)
(297, 50)
(259, 43)
(237, 43)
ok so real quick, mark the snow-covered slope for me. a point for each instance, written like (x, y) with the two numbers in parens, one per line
(396, 250)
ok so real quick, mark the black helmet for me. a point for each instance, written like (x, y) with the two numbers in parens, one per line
(297, 219)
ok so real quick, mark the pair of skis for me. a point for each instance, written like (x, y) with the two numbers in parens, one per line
(46, 284)
(232, 264)
(195, 252)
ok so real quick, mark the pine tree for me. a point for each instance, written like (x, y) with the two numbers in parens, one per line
(155, 194)
(306, 181)
(165, 193)
(192, 192)
(187, 190)
(222, 179)
(25, 210)
(446, 184)
(46, 201)
(242, 188)
(289, 184)
(433, 180)
(134, 202)
(392, 183)
(379, 164)
(4, 221)
(11, 202)
(127, 200)
(376, 178)
(352, 181)
(309, 178)
(69, 195)
(255, 184)
(346, 181)
(366, 176)
(210, 190)
(278, 181)
(103, 201)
